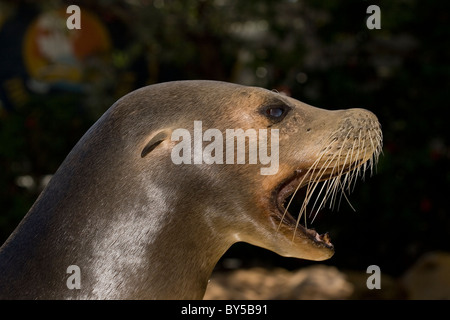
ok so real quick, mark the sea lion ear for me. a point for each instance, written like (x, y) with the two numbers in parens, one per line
(154, 142)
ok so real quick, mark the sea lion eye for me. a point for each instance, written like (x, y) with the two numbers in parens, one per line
(276, 113)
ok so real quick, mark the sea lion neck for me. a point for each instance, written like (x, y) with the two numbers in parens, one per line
(125, 257)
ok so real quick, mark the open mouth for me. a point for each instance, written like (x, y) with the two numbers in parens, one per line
(325, 182)
(283, 194)
(315, 187)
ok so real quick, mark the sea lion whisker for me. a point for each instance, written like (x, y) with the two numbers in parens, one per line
(313, 188)
(357, 171)
(325, 184)
(340, 182)
(346, 198)
(297, 188)
(363, 177)
(353, 174)
(374, 158)
(346, 157)
(337, 185)
(331, 186)
(368, 164)
(325, 197)
(321, 190)
(308, 193)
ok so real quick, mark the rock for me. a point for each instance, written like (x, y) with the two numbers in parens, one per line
(429, 277)
(389, 290)
(315, 282)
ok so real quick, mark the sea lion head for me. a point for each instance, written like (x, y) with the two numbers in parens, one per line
(317, 150)
(171, 176)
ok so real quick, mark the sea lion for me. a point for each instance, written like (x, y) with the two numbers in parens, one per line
(138, 226)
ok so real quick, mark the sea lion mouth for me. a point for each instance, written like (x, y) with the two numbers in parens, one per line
(347, 154)
(319, 186)
(284, 194)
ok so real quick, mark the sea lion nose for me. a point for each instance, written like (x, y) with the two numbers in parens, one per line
(358, 123)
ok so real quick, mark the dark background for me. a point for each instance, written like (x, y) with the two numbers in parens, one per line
(319, 52)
